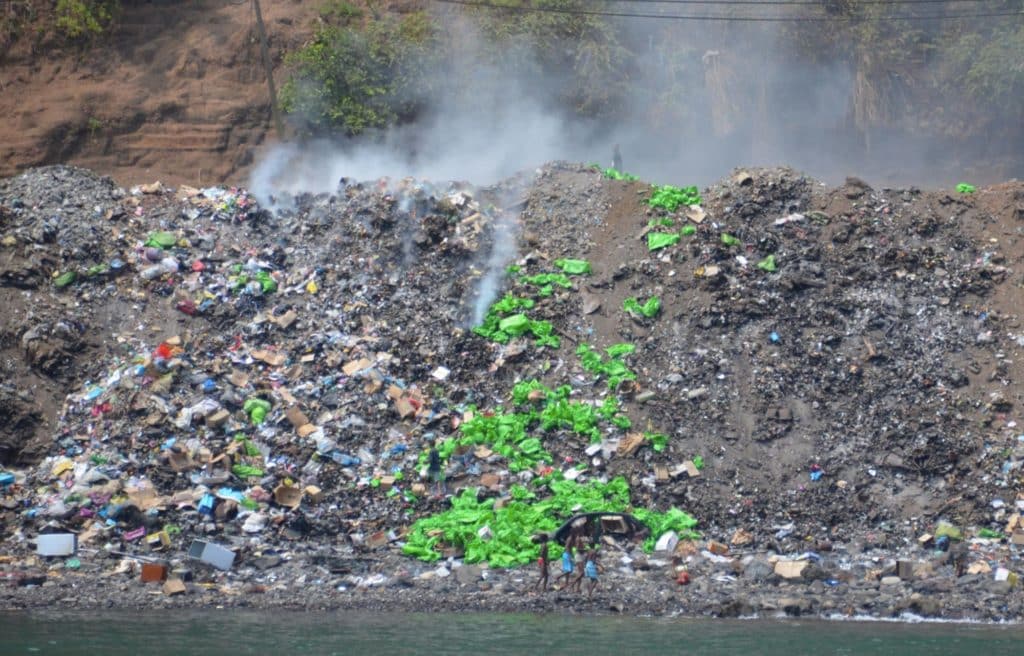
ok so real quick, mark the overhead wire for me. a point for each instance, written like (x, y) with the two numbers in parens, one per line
(818, 3)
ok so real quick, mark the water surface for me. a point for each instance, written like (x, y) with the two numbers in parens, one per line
(224, 632)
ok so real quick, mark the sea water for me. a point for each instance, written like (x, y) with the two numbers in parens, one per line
(225, 632)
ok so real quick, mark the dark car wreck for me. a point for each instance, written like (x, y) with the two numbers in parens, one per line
(595, 525)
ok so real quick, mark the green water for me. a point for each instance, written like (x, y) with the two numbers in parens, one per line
(224, 632)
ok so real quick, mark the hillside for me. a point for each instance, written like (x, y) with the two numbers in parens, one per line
(175, 91)
(882, 350)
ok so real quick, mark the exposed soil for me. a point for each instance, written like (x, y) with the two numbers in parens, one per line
(176, 92)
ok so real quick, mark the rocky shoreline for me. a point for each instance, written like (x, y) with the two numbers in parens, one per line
(832, 585)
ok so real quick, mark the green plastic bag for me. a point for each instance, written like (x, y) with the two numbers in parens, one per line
(267, 283)
(658, 240)
(965, 188)
(729, 240)
(162, 240)
(65, 279)
(768, 264)
(257, 410)
(670, 198)
(648, 309)
(990, 534)
(614, 174)
(948, 530)
(658, 441)
(514, 325)
(688, 230)
(573, 267)
(246, 471)
(616, 351)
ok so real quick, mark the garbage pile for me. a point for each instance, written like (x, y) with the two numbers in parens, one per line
(769, 353)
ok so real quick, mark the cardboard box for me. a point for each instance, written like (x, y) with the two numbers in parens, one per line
(289, 496)
(356, 366)
(218, 418)
(153, 573)
(717, 548)
(57, 544)
(315, 494)
(905, 570)
(174, 587)
(790, 569)
(377, 540)
(629, 444)
(297, 418)
(212, 554)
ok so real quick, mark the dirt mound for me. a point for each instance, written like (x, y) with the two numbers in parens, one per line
(837, 358)
(175, 92)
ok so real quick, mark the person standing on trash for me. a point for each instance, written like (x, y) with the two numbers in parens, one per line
(542, 562)
(590, 568)
(617, 159)
(568, 565)
(435, 473)
(582, 560)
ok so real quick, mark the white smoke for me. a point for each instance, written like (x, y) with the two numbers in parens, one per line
(503, 250)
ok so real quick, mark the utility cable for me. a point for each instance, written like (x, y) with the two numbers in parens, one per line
(819, 3)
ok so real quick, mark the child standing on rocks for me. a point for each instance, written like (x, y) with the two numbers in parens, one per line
(542, 562)
(590, 568)
(568, 566)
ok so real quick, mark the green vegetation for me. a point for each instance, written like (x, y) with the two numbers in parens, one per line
(84, 19)
(355, 76)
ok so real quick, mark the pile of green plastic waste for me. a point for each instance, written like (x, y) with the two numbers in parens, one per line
(502, 536)
(965, 188)
(768, 264)
(507, 542)
(546, 282)
(162, 240)
(668, 197)
(240, 279)
(574, 267)
(257, 410)
(648, 308)
(250, 455)
(658, 441)
(614, 174)
(504, 319)
(538, 407)
(614, 369)
(502, 329)
(659, 240)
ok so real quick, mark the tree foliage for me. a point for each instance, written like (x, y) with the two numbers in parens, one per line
(84, 19)
(353, 76)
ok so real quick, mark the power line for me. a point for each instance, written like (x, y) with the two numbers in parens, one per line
(819, 3)
(745, 19)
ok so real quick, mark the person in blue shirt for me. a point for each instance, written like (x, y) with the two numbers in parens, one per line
(590, 569)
